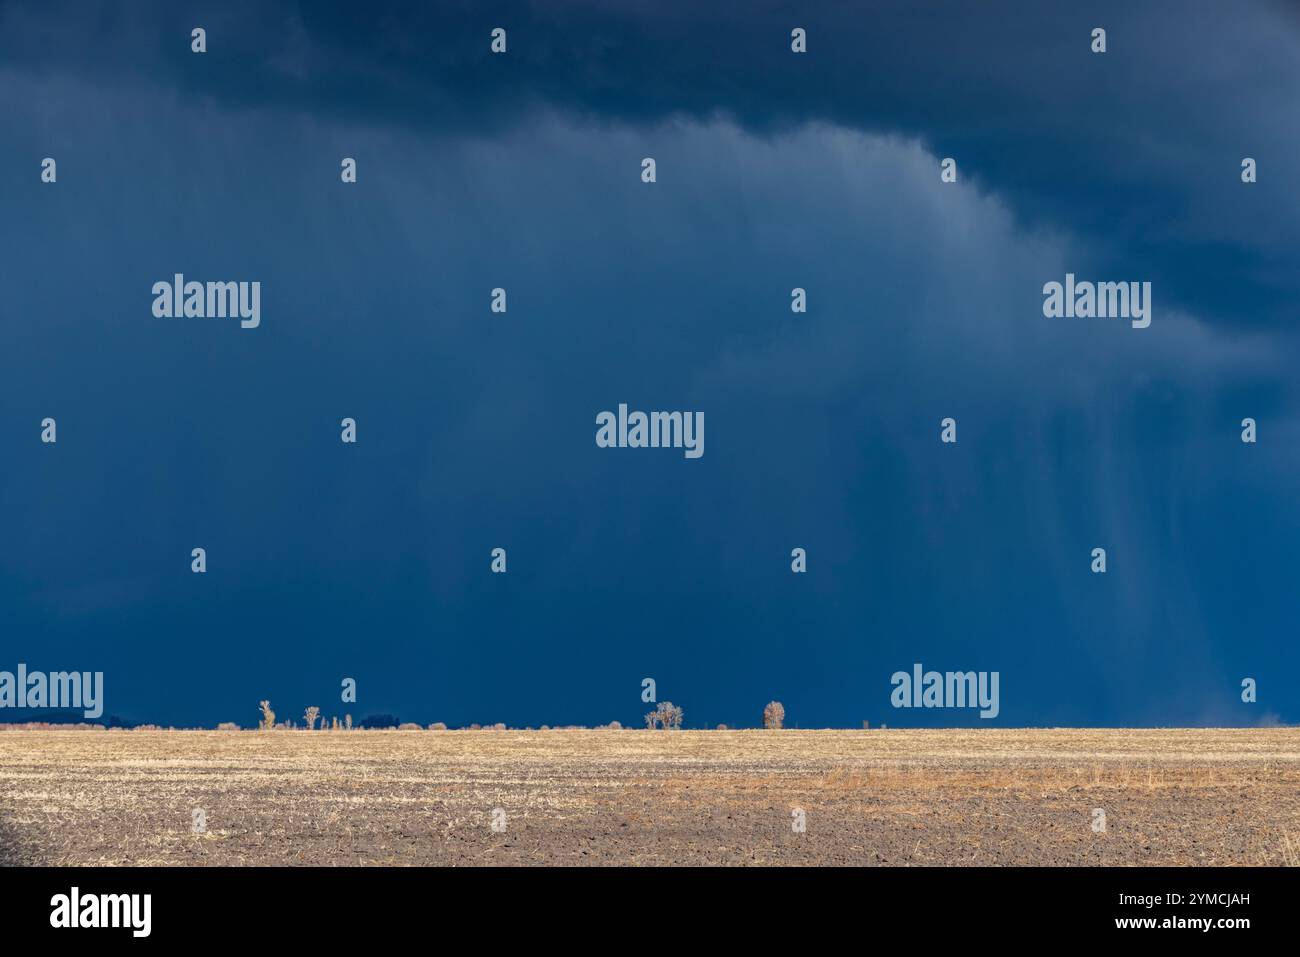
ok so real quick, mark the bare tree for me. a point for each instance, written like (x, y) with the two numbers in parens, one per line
(310, 717)
(268, 716)
(774, 716)
(670, 716)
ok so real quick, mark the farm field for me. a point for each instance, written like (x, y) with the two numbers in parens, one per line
(879, 797)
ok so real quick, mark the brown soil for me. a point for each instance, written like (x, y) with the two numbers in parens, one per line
(893, 797)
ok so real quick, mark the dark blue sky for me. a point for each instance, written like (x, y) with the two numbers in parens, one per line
(477, 430)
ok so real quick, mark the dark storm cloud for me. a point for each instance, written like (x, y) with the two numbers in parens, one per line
(521, 171)
(1138, 149)
(474, 433)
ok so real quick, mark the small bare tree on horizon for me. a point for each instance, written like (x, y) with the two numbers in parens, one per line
(773, 716)
(310, 716)
(268, 716)
(667, 716)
